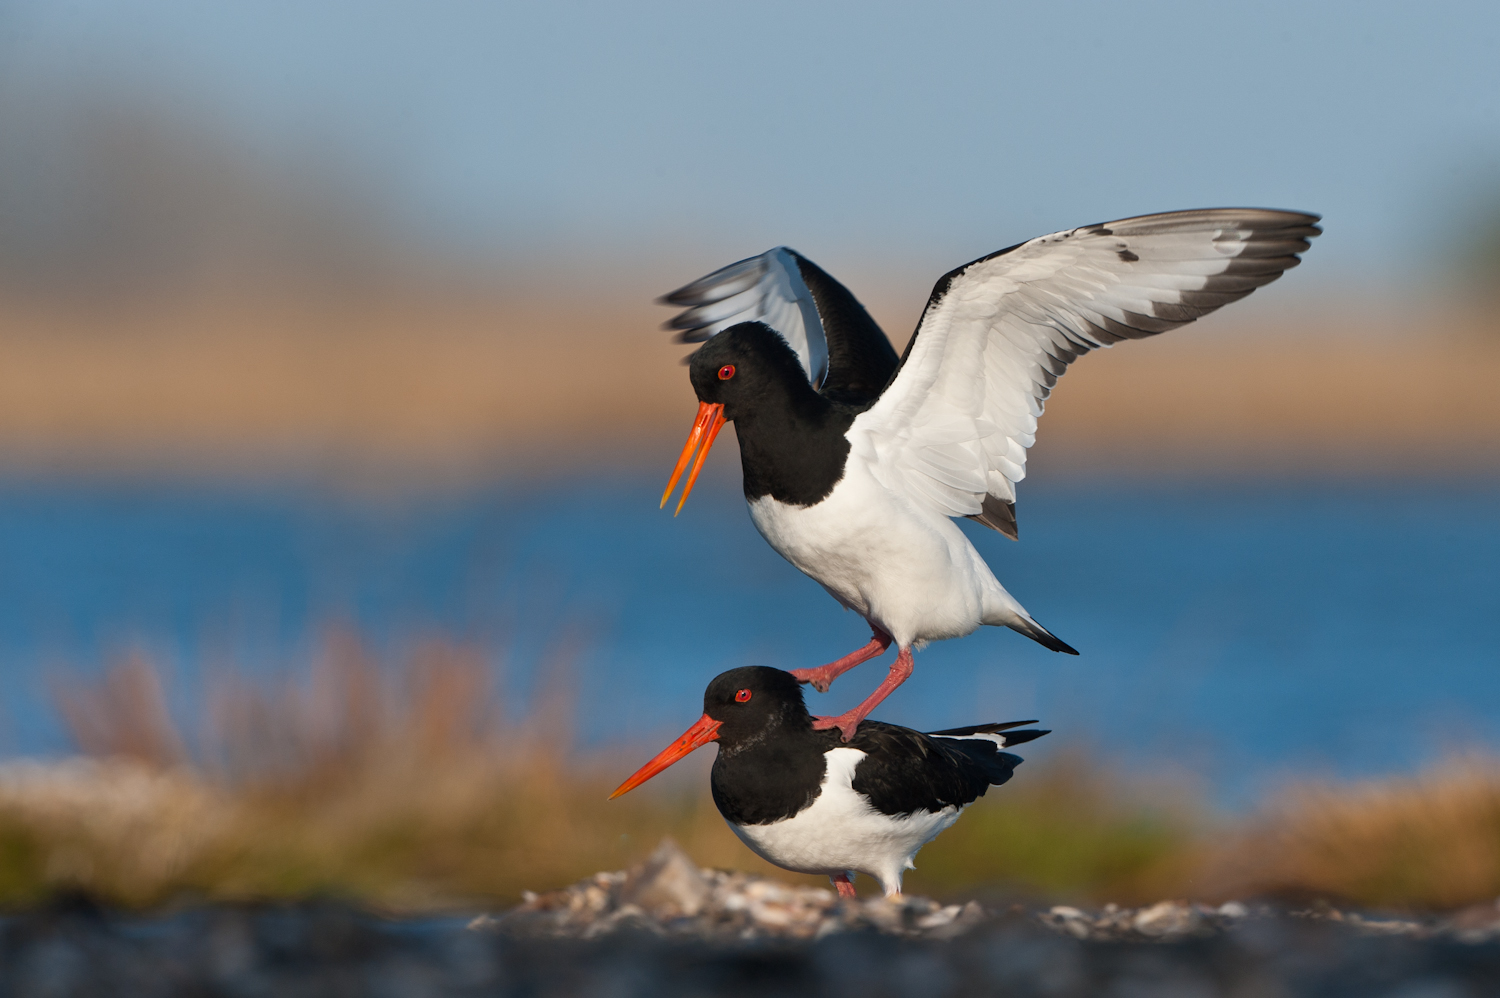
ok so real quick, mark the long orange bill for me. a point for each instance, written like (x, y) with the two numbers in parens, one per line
(705, 429)
(700, 734)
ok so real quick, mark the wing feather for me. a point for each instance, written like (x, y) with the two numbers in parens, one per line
(768, 288)
(843, 352)
(997, 333)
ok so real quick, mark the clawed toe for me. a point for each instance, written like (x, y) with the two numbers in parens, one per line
(817, 678)
(846, 725)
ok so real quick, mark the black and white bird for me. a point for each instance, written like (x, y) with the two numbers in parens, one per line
(804, 799)
(855, 461)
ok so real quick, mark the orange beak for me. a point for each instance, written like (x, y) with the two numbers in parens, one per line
(705, 428)
(700, 734)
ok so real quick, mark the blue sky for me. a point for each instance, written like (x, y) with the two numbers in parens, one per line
(884, 130)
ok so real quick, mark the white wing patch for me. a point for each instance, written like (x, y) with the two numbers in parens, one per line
(766, 288)
(1000, 735)
(996, 739)
(953, 427)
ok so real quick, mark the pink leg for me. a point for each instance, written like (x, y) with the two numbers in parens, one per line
(847, 722)
(823, 676)
(844, 884)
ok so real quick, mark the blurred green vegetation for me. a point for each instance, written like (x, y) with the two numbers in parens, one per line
(406, 789)
(1470, 257)
(1066, 829)
(1483, 271)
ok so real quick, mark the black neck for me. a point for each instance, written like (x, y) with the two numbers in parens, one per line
(773, 776)
(794, 451)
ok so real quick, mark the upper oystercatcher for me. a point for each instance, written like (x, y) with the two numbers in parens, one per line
(809, 802)
(855, 461)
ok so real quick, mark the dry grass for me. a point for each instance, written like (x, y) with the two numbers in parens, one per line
(401, 787)
(411, 382)
(1069, 828)
(1431, 841)
(406, 787)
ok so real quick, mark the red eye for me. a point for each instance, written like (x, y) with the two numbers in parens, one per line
(742, 695)
(725, 373)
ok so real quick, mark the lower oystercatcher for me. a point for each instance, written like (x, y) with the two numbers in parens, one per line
(809, 802)
(855, 462)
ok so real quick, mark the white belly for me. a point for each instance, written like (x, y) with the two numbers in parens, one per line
(840, 831)
(914, 575)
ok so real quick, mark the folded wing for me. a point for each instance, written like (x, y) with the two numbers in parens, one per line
(952, 429)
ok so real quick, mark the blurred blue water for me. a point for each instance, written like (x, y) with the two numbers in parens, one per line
(1242, 629)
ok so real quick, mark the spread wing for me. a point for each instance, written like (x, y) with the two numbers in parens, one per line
(843, 351)
(952, 429)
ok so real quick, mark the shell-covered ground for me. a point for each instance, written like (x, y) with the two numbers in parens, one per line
(667, 928)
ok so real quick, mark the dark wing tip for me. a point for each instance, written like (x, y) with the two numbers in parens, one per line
(687, 296)
(999, 515)
(1022, 737)
(722, 283)
(1275, 219)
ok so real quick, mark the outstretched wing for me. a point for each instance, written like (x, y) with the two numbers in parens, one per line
(843, 351)
(952, 429)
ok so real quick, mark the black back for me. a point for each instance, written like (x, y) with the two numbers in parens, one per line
(771, 762)
(861, 360)
(906, 771)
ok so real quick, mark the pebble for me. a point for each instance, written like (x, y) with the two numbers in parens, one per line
(668, 895)
(751, 938)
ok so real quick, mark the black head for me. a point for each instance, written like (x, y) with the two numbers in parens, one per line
(752, 702)
(746, 365)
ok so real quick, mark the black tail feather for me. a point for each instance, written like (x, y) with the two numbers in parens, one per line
(1006, 731)
(1043, 637)
(983, 729)
(996, 765)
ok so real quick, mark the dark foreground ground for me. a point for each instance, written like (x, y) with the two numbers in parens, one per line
(667, 928)
(329, 951)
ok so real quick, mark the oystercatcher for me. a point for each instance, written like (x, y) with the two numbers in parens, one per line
(809, 802)
(855, 462)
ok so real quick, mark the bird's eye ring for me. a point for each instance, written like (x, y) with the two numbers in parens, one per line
(725, 373)
(743, 695)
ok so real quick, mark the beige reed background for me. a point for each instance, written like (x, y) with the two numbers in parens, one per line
(401, 785)
(465, 383)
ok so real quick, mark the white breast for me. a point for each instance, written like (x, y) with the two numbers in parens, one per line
(840, 831)
(914, 574)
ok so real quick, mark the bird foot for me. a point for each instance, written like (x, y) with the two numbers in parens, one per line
(849, 720)
(846, 723)
(821, 678)
(845, 886)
